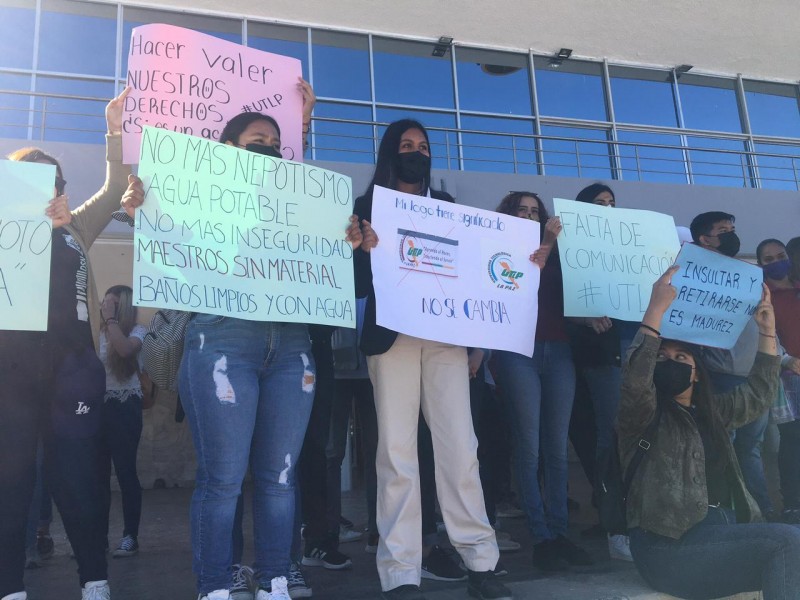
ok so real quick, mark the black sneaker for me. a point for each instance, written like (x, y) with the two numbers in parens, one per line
(441, 566)
(403, 592)
(372, 543)
(547, 557)
(321, 556)
(486, 586)
(573, 554)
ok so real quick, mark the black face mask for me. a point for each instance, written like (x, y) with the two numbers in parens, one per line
(672, 377)
(413, 167)
(264, 149)
(728, 243)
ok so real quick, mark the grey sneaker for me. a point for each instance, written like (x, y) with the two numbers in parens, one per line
(128, 546)
(243, 584)
(296, 583)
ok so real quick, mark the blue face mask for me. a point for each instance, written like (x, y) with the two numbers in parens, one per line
(778, 269)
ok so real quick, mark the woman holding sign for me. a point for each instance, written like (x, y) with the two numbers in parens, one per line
(247, 388)
(409, 374)
(53, 385)
(539, 391)
(694, 527)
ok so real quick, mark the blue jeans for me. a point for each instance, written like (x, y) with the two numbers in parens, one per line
(539, 392)
(748, 441)
(247, 389)
(718, 558)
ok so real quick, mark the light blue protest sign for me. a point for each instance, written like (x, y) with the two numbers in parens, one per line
(717, 296)
(610, 258)
(25, 239)
(229, 232)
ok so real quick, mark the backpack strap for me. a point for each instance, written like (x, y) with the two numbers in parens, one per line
(641, 450)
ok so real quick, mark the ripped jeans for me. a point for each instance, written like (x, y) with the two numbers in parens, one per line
(247, 388)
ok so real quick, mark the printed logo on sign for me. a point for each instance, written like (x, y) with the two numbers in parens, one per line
(502, 272)
(427, 253)
(409, 251)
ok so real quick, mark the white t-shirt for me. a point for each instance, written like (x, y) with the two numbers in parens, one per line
(114, 387)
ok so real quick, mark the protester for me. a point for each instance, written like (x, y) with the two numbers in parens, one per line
(716, 231)
(353, 389)
(120, 342)
(694, 530)
(598, 343)
(539, 390)
(773, 259)
(407, 374)
(53, 386)
(247, 388)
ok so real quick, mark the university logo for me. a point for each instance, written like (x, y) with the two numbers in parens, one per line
(409, 251)
(502, 272)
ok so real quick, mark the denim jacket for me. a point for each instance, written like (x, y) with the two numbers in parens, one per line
(668, 494)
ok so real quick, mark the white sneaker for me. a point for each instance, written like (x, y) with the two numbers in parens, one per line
(349, 535)
(279, 590)
(216, 595)
(96, 590)
(619, 547)
(16, 596)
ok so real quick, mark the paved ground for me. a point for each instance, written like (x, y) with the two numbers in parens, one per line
(162, 569)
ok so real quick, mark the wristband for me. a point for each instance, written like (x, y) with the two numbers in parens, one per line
(653, 329)
(111, 320)
(767, 335)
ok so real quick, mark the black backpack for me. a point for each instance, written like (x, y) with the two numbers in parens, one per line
(611, 488)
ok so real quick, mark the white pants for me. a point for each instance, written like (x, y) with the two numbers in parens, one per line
(416, 374)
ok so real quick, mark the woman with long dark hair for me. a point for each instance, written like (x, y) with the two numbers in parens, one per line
(53, 385)
(409, 374)
(120, 342)
(694, 528)
(247, 388)
(539, 390)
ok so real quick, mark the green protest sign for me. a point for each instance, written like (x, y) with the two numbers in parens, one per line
(25, 239)
(230, 232)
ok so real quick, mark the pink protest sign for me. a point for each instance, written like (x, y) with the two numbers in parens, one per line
(194, 83)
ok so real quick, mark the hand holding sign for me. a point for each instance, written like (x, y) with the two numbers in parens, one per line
(661, 298)
(716, 296)
(58, 211)
(765, 313)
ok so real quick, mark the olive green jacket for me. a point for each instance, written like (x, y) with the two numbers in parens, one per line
(668, 493)
(91, 217)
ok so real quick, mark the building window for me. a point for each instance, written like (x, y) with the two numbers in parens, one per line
(643, 96)
(573, 90)
(571, 152)
(407, 73)
(280, 39)
(493, 82)
(17, 24)
(78, 37)
(69, 119)
(336, 54)
(499, 153)
(645, 156)
(340, 141)
(779, 166)
(773, 109)
(709, 103)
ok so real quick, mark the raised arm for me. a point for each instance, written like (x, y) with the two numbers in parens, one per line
(92, 216)
(750, 400)
(638, 397)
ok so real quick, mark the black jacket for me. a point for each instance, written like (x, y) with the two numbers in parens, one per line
(374, 338)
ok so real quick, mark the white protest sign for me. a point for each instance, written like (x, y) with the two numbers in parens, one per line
(454, 274)
(25, 240)
(610, 258)
(187, 81)
(229, 232)
(717, 296)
